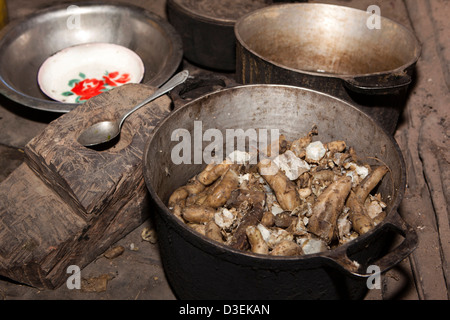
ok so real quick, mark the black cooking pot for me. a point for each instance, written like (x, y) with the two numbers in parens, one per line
(334, 49)
(207, 29)
(200, 268)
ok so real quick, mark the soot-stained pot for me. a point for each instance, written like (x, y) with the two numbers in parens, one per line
(333, 49)
(199, 268)
(207, 29)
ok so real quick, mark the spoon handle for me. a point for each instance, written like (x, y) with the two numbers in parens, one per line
(169, 85)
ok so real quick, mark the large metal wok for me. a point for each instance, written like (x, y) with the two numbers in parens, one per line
(199, 268)
(26, 43)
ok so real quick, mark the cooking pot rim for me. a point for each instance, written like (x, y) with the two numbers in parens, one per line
(200, 17)
(340, 251)
(400, 69)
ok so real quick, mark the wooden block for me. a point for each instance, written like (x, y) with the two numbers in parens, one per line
(97, 237)
(41, 235)
(34, 221)
(67, 204)
(92, 181)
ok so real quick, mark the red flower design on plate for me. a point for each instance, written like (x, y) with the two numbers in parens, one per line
(88, 88)
(114, 77)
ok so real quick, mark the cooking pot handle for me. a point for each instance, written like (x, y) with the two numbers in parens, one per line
(403, 250)
(380, 84)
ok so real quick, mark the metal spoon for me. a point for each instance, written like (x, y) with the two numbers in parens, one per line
(105, 131)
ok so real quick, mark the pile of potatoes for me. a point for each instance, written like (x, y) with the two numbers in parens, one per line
(307, 197)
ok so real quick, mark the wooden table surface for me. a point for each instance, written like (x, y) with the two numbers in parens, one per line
(422, 134)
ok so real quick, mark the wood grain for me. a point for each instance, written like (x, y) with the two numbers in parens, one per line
(66, 204)
(91, 181)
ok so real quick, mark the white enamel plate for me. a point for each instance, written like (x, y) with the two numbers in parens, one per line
(78, 73)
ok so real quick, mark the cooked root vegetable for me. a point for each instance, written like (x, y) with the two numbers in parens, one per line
(256, 240)
(251, 218)
(336, 146)
(212, 231)
(200, 228)
(339, 158)
(198, 199)
(198, 214)
(268, 219)
(372, 180)
(247, 197)
(213, 171)
(308, 197)
(323, 175)
(219, 194)
(177, 196)
(304, 180)
(176, 210)
(348, 237)
(287, 248)
(298, 227)
(299, 146)
(361, 222)
(194, 187)
(327, 208)
(182, 193)
(285, 189)
(304, 193)
(284, 219)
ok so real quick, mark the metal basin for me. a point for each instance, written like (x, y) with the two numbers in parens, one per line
(199, 268)
(26, 44)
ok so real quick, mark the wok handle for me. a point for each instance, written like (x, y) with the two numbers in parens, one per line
(388, 83)
(392, 258)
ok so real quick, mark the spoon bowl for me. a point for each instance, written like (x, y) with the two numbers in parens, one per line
(105, 131)
(99, 133)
